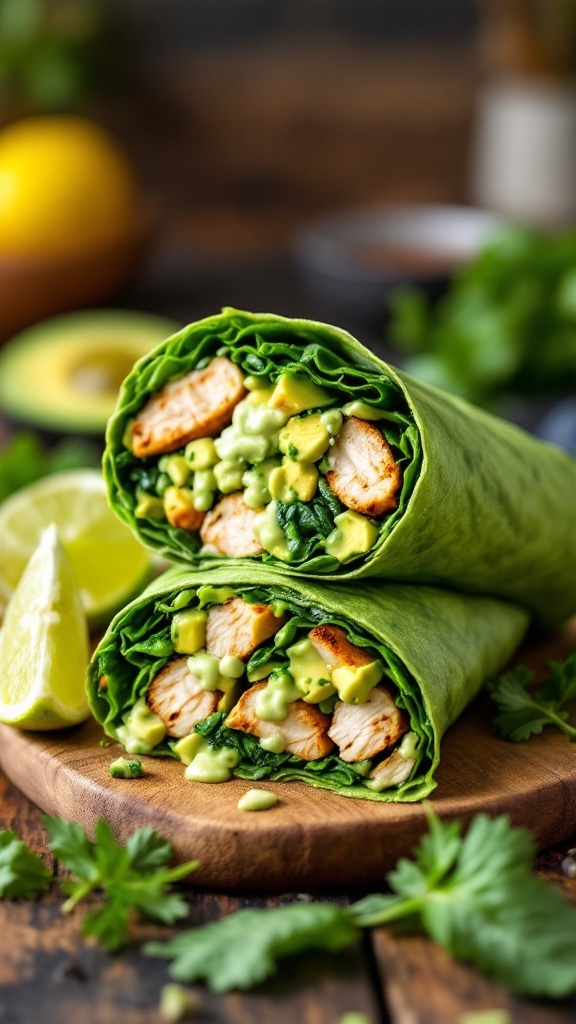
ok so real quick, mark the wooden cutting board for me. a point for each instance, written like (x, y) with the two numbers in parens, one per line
(312, 837)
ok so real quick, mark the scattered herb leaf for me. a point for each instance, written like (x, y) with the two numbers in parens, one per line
(242, 950)
(477, 896)
(130, 877)
(506, 325)
(22, 873)
(524, 712)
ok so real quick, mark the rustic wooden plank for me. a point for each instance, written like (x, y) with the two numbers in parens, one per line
(423, 986)
(48, 973)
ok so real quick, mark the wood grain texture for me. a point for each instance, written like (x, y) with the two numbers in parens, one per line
(311, 838)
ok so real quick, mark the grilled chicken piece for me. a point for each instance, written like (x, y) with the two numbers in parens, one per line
(227, 528)
(197, 405)
(363, 730)
(238, 627)
(335, 649)
(393, 770)
(304, 728)
(363, 473)
(179, 699)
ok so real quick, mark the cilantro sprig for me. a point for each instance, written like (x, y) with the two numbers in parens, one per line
(475, 895)
(131, 877)
(22, 873)
(523, 712)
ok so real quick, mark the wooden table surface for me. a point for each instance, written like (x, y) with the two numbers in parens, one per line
(49, 974)
(351, 127)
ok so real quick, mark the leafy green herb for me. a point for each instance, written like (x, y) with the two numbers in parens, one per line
(241, 950)
(506, 325)
(524, 712)
(25, 460)
(22, 873)
(122, 768)
(130, 877)
(292, 452)
(475, 895)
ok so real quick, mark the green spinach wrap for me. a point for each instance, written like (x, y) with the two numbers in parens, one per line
(288, 443)
(239, 670)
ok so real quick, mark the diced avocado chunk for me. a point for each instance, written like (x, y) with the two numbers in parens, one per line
(121, 768)
(149, 507)
(142, 730)
(204, 488)
(188, 631)
(178, 499)
(353, 535)
(268, 531)
(294, 392)
(304, 438)
(309, 672)
(187, 748)
(355, 682)
(261, 396)
(201, 454)
(293, 481)
(363, 411)
(177, 468)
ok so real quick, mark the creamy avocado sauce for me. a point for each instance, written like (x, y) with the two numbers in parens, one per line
(208, 765)
(256, 483)
(280, 691)
(309, 672)
(215, 673)
(257, 800)
(268, 531)
(275, 744)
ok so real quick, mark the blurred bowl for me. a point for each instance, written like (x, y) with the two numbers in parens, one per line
(354, 258)
(35, 287)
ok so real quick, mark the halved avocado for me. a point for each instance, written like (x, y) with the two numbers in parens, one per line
(63, 374)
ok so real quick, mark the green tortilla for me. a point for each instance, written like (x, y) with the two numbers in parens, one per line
(484, 507)
(438, 648)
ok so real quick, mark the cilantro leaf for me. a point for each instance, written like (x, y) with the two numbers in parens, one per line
(477, 897)
(131, 877)
(524, 712)
(22, 873)
(241, 950)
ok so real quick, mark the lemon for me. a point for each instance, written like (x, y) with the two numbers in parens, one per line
(44, 644)
(65, 187)
(108, 563)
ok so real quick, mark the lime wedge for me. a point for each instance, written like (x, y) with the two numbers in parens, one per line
(109, 564)
(44, 644)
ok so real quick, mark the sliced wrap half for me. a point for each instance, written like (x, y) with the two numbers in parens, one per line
(289, 443)
(241, 671)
